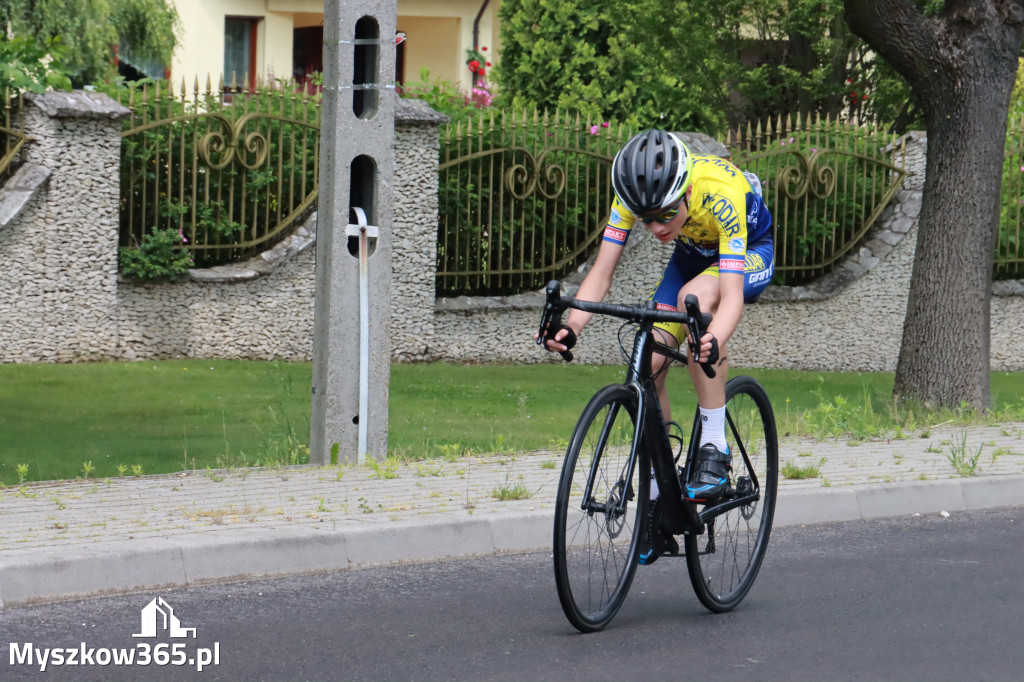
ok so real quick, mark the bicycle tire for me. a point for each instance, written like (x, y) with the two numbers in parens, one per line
(724, 560)
(595, 549)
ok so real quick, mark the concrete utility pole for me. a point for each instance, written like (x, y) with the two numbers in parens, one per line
(351, 343)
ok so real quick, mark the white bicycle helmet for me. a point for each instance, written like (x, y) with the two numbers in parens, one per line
(651, 172)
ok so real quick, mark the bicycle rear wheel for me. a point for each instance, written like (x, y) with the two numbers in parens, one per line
(723, 562)
(596, 539)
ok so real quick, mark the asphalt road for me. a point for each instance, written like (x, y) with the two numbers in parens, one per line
(900, 599)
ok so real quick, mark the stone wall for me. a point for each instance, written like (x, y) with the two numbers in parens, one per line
(58, 254)
(61, 299)
(60, 295)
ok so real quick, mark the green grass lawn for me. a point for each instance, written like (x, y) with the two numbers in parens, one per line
(65, 421)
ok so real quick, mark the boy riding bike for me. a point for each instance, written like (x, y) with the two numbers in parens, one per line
(723, 253)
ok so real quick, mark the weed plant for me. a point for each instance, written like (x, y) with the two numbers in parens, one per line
(792, 470)
(963, 460)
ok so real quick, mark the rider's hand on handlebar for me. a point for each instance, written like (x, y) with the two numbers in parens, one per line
(708, 349)
(564, 339)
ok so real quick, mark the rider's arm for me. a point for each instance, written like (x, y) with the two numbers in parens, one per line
(730, 217)
(727, 317)
(595, 287)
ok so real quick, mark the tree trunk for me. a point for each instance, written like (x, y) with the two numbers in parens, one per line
(944, 356)
(961, 66)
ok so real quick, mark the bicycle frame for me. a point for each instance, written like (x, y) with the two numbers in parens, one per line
(652, 441)
(651, 447)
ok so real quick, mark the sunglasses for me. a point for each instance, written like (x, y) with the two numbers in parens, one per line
(663, 218)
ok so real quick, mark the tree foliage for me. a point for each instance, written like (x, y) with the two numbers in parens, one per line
(146, 28)
(27, 64)
(596, 57)
(687, 68)
(800, 56)
(91, 31)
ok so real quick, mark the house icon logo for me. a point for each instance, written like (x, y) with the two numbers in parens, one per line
(158, 616)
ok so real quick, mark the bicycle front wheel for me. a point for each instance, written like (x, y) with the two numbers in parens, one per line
(599, 511)
(723, 562)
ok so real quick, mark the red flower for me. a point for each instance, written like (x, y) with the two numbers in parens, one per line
(474, 65)
(484, 49)
(488, 63)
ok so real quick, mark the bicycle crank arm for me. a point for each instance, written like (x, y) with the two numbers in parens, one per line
(710, 513)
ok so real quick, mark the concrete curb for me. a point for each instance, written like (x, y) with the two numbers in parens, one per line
(239, 554)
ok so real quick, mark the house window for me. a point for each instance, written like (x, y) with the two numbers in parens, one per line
(240, 50)
(307, 56)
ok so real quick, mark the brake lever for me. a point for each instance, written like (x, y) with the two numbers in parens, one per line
(697, 323)
(551, 317)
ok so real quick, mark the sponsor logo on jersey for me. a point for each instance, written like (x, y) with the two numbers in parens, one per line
(754, 261)
(762, 276)
(666, 306)
(737, 244)
(615, 218)
(730, 265)
(725, 212)
(615, 235)
(716, 161)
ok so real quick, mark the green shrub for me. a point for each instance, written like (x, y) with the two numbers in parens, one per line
(158, 256)
(1010, 245)
(445, 97)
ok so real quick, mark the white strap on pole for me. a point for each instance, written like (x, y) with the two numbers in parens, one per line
(363, 232)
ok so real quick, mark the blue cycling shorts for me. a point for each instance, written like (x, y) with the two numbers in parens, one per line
(686, 263)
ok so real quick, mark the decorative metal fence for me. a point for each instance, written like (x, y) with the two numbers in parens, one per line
(1009, 261)
(12, 135)
(229, 177)
(523, 197)
(825, 182)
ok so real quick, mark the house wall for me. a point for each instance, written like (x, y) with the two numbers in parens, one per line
(439, 32)
(430, 46)
(201, 50)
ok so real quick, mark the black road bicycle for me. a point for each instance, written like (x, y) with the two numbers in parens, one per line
(603, 492)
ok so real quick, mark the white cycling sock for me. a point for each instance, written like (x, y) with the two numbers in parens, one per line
(654, 486)
(712, 428)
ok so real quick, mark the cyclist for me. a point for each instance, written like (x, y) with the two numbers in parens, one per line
(723, 253)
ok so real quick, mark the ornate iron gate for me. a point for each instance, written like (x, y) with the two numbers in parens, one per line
(825, 182)
(230, 173)
(523, 197)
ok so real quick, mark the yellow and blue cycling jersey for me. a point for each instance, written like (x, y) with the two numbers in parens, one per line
(729, 229)
(726, 215)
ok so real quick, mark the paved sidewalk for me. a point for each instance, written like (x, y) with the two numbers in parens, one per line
(60, 540)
